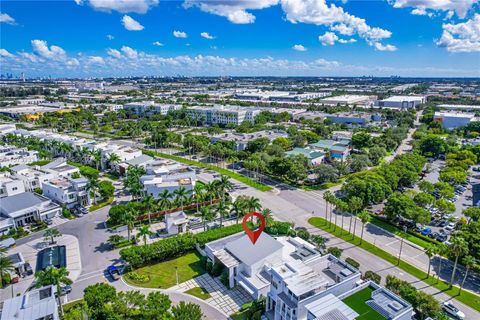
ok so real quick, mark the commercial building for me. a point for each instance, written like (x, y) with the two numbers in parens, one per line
(222, 115)
(402, 102)
(37, 304)
(25, 208)
(453, 120)
(279, 96)
(459, 107)
(167, 175)
(241, 139)
(11, 155)
(337, 149)
(353, 119)
(148, 108)
(349, 100)
(314, 156)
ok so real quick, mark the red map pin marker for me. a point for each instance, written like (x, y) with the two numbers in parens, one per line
(253, 234)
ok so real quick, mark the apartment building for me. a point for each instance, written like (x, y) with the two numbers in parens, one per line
(11, 156)
(167, 175)
(223, 115)
(148, 108)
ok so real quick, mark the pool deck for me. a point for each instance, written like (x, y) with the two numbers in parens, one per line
(29, 252)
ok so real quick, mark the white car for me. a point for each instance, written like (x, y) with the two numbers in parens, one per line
(450, 226)
(453, 311)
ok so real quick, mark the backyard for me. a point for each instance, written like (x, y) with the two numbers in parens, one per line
(358, 301)
(163, 274)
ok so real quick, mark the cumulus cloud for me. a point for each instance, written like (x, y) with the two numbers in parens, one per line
(328, 39)
(5, 18)
(5, 53)
(95, 60)
(206, 35)
(179, 34)
(122, 6)
(114, 53)
(461, 7)
(387, 47)
(130, 24)
(421, 12)
(40, 47)
(347, 41)
(299, 47)
(110, 37)
(158, 44)
(462, 37)
(342, 28)
(129, 52)
(234, 10)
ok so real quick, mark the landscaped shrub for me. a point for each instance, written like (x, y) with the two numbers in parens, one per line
(174, 246)
(106, 189)
(304, 234)
(352, 262)
(209, 267)
(138, 277)
(66, 213)
(224, 279)
(370, 275)
(335, 251)
(279, 228)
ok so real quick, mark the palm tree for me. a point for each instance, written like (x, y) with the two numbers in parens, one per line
(149, 203)
(342, 207)
(238, 207)
(144, 232)
(6, 266)
(268, 216)
(469, 262)
(253, 204)
(222, 210)
(328, 197)
(181, 194)
(113, 159)
(458, 247)
(164, 199)
(93, 185)
(430, 250)
(129, 218)
(224, 185)
(319, 241)
(53, 276)
(212, 190)
(207, 215)
(355, 204)
(51, 233)
(441, 249)
(198, 191)
(364, 217)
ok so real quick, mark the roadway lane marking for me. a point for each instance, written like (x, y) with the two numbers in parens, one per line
(392, 242)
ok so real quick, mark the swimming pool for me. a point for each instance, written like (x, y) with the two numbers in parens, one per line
(52, 256)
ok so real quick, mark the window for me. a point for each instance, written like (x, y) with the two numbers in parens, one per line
(14, 188)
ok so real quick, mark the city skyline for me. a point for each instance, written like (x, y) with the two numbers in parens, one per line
(100, 38)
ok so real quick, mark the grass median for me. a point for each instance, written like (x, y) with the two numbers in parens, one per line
(249, 182)
(466, 297)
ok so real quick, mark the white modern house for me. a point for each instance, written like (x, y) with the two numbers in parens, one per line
(9, 186)
(176, 222)
(37, 304)
(68, 191)
(32, 177)
(11, 156)
(167, 175)
(25, 208)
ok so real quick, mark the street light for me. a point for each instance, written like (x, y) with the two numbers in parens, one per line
(401, 245)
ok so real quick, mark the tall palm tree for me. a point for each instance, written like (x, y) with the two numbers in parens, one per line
(238, 207)
(6, 266)
(212, 190)
(164, 199)
(97, 158)
(113, 160)
(364, 217)
(319, 241)
(469, 262)
(458, 247)
(224, 185)
(342, 207)
(328, 196)
(144, 232)
(129, 218)
(222, 210)
(441, 249)
(430, 250)
(253, 204)
(93, 186)
(355, 204)
(53, 276)
(149, 203)
(52, 233)
(181, 194)
(268, 216)
(198, 193)
(207, 215)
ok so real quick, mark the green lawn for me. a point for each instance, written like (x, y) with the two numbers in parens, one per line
(226, 172)
(162, 275)
(199, 292)
(468, 298)
(358, 301)
(101, 204)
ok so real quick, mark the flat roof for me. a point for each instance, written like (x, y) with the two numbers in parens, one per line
(247, 252)
(21, 201)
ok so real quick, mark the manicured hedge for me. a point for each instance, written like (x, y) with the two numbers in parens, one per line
(173, 246)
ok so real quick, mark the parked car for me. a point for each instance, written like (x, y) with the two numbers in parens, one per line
(450, 227)
(442, 237)
(113, 272)
(426, 231)
(48, 221)
(65, 289)
(452, 310)
(443, 223)
(28, 269)
(433, 235)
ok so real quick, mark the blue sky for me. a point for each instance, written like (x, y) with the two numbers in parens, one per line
(261, 37)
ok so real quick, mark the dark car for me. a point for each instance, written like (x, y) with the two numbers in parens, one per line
(28, 269)
(443, 223)
(113, 272)
(433, 235)
(442, 237)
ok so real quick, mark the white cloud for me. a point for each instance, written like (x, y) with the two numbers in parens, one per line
(328, 39)
(421, 12)
(73, 62)
(347, 41)
(122, 6)
(5, 18)
(40, 47)
(114, 53)
(461, 7)
(110, 37)
(386, 47)
(234, 10)
(206, 35)
(462, 37)
(95, 60)
(4, 53)
(299, 47)
(342, 28)
(130, 24)
(158, 44)
(179, 34)
(129, 52)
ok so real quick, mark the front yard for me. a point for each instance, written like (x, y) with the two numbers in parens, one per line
(199, 292)
(163, 275)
